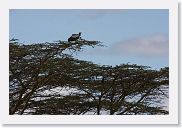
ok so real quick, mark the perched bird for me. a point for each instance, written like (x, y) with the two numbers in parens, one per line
(74, 37)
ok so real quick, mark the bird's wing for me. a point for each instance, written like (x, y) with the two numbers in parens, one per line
(75, 35)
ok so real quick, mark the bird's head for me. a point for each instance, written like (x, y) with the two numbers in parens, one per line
(80, 33)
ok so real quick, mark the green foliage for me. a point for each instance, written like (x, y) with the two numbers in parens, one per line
(46, 79)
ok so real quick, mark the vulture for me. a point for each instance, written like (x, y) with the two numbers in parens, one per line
(74, 37)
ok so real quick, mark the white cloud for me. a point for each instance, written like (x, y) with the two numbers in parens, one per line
(97, 13)
(146, 46)
(155, 45)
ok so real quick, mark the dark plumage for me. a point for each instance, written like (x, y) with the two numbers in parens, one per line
(74, 37)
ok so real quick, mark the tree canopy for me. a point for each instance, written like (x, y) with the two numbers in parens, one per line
(45, 78)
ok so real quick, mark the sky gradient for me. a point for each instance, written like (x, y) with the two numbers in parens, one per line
(138, 36)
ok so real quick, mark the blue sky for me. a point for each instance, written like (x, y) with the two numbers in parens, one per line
(137, 36)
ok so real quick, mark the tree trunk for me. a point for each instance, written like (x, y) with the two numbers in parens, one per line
(99, 106)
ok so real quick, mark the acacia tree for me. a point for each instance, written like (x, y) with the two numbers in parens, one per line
(35, 68)
(127, 89)
(46, 79)
(137, 90)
